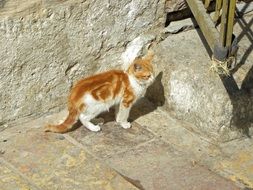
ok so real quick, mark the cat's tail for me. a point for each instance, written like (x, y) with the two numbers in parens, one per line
(67, 124)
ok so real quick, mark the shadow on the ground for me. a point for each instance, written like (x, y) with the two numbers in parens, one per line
(154, 98)
(246, 31)
(241, 97)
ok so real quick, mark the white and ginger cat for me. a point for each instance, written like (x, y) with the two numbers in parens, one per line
(96, 94)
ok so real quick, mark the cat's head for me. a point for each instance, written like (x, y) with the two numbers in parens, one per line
(142, 69)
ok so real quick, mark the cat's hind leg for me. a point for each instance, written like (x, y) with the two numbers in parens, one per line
(85, 120)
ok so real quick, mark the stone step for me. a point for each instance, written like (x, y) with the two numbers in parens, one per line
(147, 161)
(160, 153)
(33, 159)
(232, 160)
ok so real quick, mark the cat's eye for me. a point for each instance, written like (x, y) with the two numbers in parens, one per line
(137, 67)
(147, 76)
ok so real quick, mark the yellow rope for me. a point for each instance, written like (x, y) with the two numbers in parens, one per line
(222, 67)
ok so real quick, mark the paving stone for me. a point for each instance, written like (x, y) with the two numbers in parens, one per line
(233, 160)
(158, 152)
(177, 133)
(141, 108)
(237, 162)
(117, 148)
(53, 163)
(10, 180)
(156, 165)
(112, 139)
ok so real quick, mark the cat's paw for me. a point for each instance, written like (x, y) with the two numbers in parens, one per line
(125, 125)
(95, 128)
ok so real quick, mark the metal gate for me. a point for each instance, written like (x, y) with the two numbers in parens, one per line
(221, 41)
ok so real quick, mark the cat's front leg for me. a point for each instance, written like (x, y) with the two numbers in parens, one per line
(122, 116)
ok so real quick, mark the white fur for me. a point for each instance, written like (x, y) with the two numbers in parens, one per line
(140, 87)
(122, 116)
(132, 52)
(94, 107)
(135, 47)
(85, 120)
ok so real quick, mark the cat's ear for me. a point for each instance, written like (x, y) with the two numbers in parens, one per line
(137, 67)
(149, 56)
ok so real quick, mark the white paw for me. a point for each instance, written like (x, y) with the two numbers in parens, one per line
(94, 128)
(125, 125)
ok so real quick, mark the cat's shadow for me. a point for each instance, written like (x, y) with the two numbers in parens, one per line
(153, 98)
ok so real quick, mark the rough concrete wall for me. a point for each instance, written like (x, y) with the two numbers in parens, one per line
(46, 45)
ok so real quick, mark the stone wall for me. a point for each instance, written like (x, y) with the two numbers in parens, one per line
(48, 44)
(175, 5)
(220, 108)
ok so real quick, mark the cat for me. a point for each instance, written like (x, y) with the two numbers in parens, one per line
(93, 95)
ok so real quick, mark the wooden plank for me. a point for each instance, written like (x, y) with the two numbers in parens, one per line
(207, 3)
(205, 22)
(223, 28)
(217, 10)
(231, 16)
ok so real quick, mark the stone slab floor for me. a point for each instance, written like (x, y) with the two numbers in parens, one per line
(157, 153)
(150, 155)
